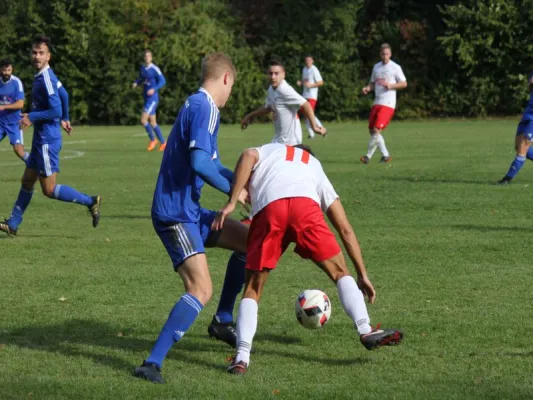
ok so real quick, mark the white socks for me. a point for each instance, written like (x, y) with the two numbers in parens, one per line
(353, 302)
(382, 147)
(376, 141)
(308, 125)
(246, 328)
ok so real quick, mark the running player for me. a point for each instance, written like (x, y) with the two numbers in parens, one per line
(152, 79)
(289, 191)
(387, 77)
(311, 81)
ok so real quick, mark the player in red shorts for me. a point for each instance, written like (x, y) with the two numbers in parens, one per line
(289, 193)
(387, 77)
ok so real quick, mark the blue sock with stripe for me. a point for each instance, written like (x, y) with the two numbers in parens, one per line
(516, 165)
(529, 154)
(233, 283)
(71, 195)
(159, 134)
(149, 131)
(25, 156)
(23, 200)
(179, 321)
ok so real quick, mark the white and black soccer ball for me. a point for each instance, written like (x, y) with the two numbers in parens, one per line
(313, 308)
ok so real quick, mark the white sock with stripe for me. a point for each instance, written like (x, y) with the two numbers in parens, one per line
(246, 328)
(372, 146)
(353, 302)
(381, 145)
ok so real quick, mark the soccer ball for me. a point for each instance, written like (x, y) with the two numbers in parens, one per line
(313, 308)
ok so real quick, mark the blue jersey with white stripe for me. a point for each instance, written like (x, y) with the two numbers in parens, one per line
(178, 188)
(46, 108)
(151, 77)
(528, 112)
(10, 92)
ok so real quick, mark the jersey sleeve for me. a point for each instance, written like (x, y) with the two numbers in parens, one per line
(54, 102)
(400, 77)
(160, 78)
(63, 95)
(325, 191)
(203, 120)
(318, 77)
(290, 97)
(20, 91)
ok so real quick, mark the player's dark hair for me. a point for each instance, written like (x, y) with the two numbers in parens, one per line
(305, 147)
(5, 62)
(276, 63)
(308, 56)
(147, 51)
(41, 39)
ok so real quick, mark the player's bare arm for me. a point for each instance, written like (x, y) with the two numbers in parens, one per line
(337, 216)
(310, 115)
(262, 111)
(395, 86)
(368, 88)
(310, 85)
(17, 105)
(241, 176)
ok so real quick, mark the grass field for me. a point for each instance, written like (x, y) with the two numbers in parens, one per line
(446, 249)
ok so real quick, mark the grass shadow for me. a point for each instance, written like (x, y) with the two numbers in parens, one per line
(126, 216)
(485, 229)
(439, 180)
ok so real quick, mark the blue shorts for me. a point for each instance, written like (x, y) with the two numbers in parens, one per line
(525, 128)
(45, 158)
(13, 132)
(185, 239)
(150, 106)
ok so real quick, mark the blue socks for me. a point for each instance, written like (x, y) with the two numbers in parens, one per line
(20, 206)
(516, 165)
(233, 283)
(26, 156)
(149, 131)
(159, 134)
(179, 321)
(71, 195)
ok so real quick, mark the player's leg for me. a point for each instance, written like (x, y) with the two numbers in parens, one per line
(25, 195)
(16, 139)
(312, 102)
(185, 247)
(145, 116)
(524, 136)
(383, 118)
(48, 170)
(157, 129)
(372, 142)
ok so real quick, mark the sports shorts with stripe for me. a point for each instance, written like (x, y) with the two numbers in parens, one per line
(185, 239)
(150, 106)
(45, 158)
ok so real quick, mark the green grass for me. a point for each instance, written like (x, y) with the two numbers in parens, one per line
(446, 249)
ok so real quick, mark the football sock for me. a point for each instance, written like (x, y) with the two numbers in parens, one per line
(246, 328)
(353, 302)
(25, 156)
(71, 195)
(529, 154)
(233, 283)
(381, 145)
(159, 134)
(181, 317)
(21, 204)
(516, 165)
(149, 131)
(372, 146)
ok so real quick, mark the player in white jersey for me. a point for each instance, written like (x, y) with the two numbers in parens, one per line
(311, 81)
(284, 102)
(387, 77)
(289, 191)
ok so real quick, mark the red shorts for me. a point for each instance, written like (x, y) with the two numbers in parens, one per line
(380, 116)
(297, 219)
(312, 102)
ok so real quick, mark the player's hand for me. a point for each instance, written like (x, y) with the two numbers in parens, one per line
(25, 122)
(366, 90)
(386, 85)
(307, 84)
(150, 92)
(299, 83)
(218, 223)
(1, 108)
(244, 199)
(134, 85)
(320, 130)
(66, 127)
(244, 123)
(366, 287)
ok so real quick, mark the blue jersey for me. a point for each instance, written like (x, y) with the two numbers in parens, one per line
(10, 92)
(178, 188)
(151, 77)
(46, 108)
(528, 112)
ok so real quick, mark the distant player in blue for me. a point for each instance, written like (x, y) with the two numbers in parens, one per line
(11, 102)
(152, 79)
(43, 161)
(524, 137)
(190, 160)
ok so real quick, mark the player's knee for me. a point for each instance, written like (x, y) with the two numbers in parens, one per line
(202, 292)
(144, 121)
(48, 191)
(337, 275)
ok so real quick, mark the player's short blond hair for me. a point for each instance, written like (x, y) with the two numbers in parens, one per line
(216, 64)
(385, 46)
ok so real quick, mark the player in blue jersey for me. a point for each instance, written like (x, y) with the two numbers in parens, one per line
(191, 159)
(11, 102)
(152, 79)
(524, 137)
(43, 161)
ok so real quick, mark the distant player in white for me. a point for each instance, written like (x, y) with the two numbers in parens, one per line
(284, 102)
(311, 81)
(387, 77)
(289, 193)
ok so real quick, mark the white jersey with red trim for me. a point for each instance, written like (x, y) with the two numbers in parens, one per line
(381, 73)
(284, 171)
